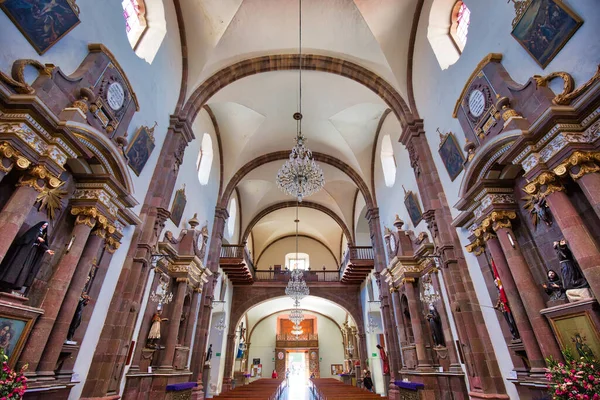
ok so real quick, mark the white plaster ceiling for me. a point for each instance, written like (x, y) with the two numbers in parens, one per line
(309, 303)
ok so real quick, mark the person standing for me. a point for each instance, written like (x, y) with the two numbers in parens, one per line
(368, 382)
(274, 374)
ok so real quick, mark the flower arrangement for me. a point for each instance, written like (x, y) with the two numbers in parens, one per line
(575, 378)
(12, 384)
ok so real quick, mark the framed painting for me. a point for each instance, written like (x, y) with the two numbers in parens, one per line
(13, 333)
(178, 206)
(140, 149)
(544, 27)
(451, 155)
(337, 369)
(42, 22)
(412, 206)
(577, 333)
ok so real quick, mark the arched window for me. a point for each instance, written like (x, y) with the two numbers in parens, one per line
(146, 26)
(388, 161)
(461, 16)
(299, 261)
(447, 30)
(205, 159)
(232, 210)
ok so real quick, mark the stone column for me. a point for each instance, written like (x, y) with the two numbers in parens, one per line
(528, 288)
(583, 168)
(174, 319)
(395, 295)
(192, 319)
(417, 326)
(362, 349)
(145, 326)
(448, 336)
(590, 185)
(580, 239)
(57, 287)
(229, 360)
(70, 302)
(19, 205)
(534, 354)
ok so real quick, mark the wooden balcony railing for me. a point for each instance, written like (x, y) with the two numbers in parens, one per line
(232, 251)
(355, 253)
(289, 340)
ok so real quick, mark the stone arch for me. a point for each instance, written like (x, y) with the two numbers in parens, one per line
(284, 155)
(284, 62)
(486, 158)
(305, 204)
(257, 260)
(288, 310)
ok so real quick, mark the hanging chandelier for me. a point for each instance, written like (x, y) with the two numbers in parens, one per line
(296, 287)
(221, 325)
(297, 330)
(372, 325)
(300, 176)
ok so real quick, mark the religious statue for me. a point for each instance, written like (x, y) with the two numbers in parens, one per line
(583, 350)
(571, 277)
(435, 325)
(384, 359)
(208, 354)
(502, 305)
(22, 261)
(154, 335)
(538, 209)
(554, 287)
(84, 299)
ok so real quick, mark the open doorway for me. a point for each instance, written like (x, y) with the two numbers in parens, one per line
(297, 363)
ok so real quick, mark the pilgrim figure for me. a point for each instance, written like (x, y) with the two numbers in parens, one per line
(571, 277)
(154, 334)
(435, 325)
(84, 299)
(208, 354)
(554, 287)
(384, 359)
(22, 261)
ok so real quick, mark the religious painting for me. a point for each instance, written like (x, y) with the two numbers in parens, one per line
(451, 155)
(140, 149)
(577, 333)
(13, 333)
(178, 206)
(412, 206)
(544, 27)
(42, 22)
(337, 369)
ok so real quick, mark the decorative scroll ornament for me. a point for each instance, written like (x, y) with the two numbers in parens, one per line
(579, 164)
(520, 7)
(569, 92)
(18, 81)
(50, 200)
(546, 183)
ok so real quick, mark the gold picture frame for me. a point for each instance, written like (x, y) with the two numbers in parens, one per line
(18, 328)
(577, 333)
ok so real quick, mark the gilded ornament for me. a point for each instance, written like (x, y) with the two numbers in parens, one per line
(17, 81)
(501, 219)
(586, 161)
(569, 93)
(546, 179)
(520, 7)
(112, 245)
(51, 200)
(82, 104)
(23, 163)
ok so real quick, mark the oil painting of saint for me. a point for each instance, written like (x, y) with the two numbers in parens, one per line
(42, 22)
(139, 151)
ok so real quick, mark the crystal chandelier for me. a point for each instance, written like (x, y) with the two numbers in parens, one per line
(300, 176)
(221, 325)
(296, 287)
(372, 325)
(297, 330)
(296, 316)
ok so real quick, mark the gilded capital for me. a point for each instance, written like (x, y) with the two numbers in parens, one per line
(477, 247)
(501, 219)
(85, 215)
(545, 183)
(579, 164)
(112, 245)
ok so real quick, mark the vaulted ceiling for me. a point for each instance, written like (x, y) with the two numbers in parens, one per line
(341, 116)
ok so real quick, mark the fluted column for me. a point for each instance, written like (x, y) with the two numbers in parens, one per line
(57, 287)
(174, 319)
(192, 318)
(69, 305)
(19, 204)
(529, 290)
(534, 354)
(416, 318)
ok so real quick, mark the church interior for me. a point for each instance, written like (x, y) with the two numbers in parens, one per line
(299, 199)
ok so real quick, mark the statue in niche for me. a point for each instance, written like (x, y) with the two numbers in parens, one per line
(502, 306)
(384, 360)
(208, 355)
(84, 300)
(554, 287)
(154, 334)
(170, 238)
(22, 261)
(538, 209)
(569, 270)
(435, 325)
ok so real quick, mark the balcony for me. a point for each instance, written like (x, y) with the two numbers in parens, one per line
(237, 264)
(357, 264)
(289, 340)
(279, 275)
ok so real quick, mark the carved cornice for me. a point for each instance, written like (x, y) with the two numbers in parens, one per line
(569, 92)
(579, 164)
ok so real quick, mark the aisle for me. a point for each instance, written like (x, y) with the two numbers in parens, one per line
(297, 388)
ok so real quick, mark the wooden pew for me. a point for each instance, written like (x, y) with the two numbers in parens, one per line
(261, 389)
(332, 389)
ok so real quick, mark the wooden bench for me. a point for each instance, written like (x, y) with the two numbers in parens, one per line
(332, 389)
(261, 389)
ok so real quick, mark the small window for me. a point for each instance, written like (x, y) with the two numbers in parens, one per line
(461, 17)
(297, 261)
(205, 159)
(388, 161)
(232, 210)
(134, 12)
